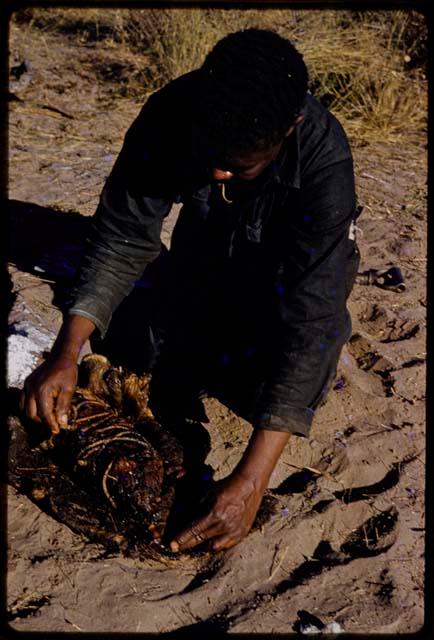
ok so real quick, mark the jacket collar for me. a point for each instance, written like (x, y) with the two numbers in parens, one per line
(286, 168)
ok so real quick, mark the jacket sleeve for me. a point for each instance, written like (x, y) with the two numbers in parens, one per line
(313, 321)
(125, 230)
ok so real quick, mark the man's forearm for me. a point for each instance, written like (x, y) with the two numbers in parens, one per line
(73, 334)
(261, 455)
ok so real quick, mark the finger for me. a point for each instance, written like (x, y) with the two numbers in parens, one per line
(31, 409)
(63, 402)
(27, 404)
(195, 534)
(45, 405)
(156, 532)
(224, 542)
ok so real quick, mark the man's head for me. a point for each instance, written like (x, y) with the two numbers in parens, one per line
(253, 87)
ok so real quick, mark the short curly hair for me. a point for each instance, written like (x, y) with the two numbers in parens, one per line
(253, 86)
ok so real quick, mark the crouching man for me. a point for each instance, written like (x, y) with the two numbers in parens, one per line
(249, 304)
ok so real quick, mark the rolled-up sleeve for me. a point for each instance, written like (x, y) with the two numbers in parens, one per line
(313, 322)
(125, 230)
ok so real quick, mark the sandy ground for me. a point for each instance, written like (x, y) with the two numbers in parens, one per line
(346, 543)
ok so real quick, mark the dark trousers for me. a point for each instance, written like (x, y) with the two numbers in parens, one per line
(175, 330)
(178, 329)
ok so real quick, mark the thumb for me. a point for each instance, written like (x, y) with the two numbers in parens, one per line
(62, 406)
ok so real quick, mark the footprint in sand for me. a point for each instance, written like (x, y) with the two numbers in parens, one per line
(386, 326)
(360, 361)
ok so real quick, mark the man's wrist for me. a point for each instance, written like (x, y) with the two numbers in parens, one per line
(256, 481)
(74, 332)
(261, 456)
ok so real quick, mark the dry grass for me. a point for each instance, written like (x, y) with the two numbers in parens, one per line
(368, 67)
(361, 68)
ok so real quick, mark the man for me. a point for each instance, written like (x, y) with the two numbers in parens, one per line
(251, 298)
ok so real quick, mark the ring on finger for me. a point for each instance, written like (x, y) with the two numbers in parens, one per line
(197, 535)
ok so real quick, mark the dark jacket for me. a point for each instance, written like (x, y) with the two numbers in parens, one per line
(281, 248)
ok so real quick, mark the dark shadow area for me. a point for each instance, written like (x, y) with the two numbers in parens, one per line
(373, 538)
(47, 243)
(307, 619)
(10, 296)
(297, 482)
(31, 606)
(360, 493)
(322, 505)
(194, 492)
(44, 237)
(203, 576)
(217, 624)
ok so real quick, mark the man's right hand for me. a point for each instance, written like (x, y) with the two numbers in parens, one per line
(48, 391)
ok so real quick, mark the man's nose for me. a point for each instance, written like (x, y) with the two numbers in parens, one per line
(221, 176)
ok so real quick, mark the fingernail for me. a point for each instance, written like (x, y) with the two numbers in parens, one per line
(63, 419)
(174, 546)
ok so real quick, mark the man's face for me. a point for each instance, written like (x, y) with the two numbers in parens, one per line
(248, 165)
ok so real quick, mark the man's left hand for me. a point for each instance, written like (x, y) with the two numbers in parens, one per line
(229, 519)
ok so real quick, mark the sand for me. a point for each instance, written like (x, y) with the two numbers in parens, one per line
(344, 550)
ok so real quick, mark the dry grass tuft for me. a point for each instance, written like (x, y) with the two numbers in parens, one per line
(368, 67)
(362, 68)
